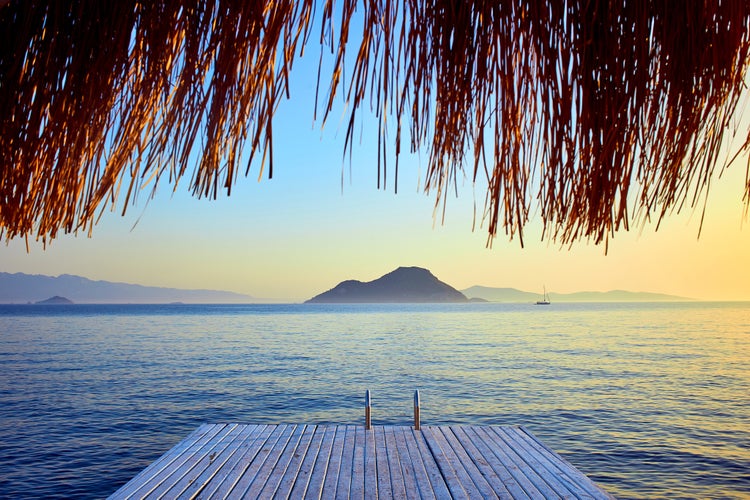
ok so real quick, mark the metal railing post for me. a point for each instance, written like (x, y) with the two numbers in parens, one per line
(368, 422)
(416, 410)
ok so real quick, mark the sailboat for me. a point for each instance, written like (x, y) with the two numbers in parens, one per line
(545, 299)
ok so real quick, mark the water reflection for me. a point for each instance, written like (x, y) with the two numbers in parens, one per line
(649, 400)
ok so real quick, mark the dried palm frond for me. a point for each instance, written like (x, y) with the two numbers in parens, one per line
(591, 109)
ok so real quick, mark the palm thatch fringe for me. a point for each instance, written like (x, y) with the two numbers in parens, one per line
(591, 108)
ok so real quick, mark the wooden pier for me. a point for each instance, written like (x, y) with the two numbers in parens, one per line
(349, 461)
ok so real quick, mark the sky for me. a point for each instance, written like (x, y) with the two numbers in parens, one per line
(321, 220)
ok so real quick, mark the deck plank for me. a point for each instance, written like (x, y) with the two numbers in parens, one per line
(234, 467)
(334, 465)
(248, 468)
(525, 464)
(370, 479)
(398, 488)
(146, 480)
(458, 481)
(407, 466)
(347, 461)
(507, 462)
(498, 475)
(437, 481)
(286, 459)
(557, 462)
(318, 468)
(424, 484)
(483, 460)
(381, 462)
(347, 464)
(357, 487)
(468, 463)
(541, 462)
(307, 448)
(179, 462)
(266, 471)
(192, 484)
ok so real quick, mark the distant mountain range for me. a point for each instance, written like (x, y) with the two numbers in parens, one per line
(415, 284)
(31, 288)
(513, 295)
(405, 284)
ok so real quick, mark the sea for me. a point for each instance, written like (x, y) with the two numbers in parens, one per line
(650, 400)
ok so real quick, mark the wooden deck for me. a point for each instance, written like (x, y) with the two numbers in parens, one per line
(348, 461)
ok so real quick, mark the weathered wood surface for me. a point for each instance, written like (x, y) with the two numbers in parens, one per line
(347, 461)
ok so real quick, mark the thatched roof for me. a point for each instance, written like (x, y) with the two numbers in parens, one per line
(601, 112)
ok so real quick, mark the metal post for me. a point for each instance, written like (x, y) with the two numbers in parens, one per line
(368, 423)
(416, 410)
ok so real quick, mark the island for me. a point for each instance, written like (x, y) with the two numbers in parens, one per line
(56, 300)
(404, 285)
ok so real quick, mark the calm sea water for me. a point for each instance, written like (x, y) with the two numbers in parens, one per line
(649, 400)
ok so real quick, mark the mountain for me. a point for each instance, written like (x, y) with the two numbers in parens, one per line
(56, 300)
(30, 288)
(500, 294)
(617, 296)
(405, 284)
(514, 295)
